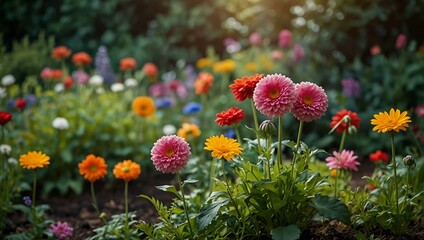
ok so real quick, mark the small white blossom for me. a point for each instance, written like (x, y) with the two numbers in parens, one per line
(100, 90)
(169, 129)
(59, 87)
(60, 123)
(5, 149)
(3, 92)
(117, 87)
(12, 161)
(8, 80)
(131, 82)
(96, 80)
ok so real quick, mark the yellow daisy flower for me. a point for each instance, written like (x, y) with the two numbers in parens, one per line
(33, 160)
(223, 147)
(392, 121)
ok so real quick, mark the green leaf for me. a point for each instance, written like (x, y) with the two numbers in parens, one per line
(290, 232)
(208, 212)
(189, 181)
(331, 208)
(169, 188)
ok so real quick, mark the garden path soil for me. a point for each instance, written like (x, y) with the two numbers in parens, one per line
(78, 212)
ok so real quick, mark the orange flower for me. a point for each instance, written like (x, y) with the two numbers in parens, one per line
(127, 170)
(127, 64)
(33, 160)
(203, 83)
(143, 106)
(61, 52)
(243, 88)
(56, 74)
(93, 168)
(150, 69)
(81, 58)
(189, 131)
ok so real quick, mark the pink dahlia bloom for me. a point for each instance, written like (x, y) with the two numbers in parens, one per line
(310, 102)
(61, 230)
(274, 95)
(401, 41)
(285, 38)
(170, 154)
(255, 39)
(298, 53)
(344, 160)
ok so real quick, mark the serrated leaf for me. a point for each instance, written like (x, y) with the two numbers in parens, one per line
(169, 188)
(208, 212)
(331, 208)
(290, 232)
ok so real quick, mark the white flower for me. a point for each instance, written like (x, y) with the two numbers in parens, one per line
(100, 90)
(131, 82)
(5, 149)
(117, 87)
(3, 92)
(60, 123)
(169, 129)
(12, 161)
(8, 80)
(96, 80)
(59, 87)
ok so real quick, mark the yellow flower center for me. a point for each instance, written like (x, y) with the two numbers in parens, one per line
(93, 168)
(308, 101)
(274, 93)
(169, 152)
(126, 169)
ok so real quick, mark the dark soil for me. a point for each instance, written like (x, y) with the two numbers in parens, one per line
(78, 212)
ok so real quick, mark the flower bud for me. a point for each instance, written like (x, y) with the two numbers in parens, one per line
(409, 161)
(267, 128)
(352, 129)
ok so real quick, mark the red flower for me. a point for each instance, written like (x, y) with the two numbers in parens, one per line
(61, 52)
(68, 82)
(343, 125)
(81, 58)
(127, 64)
(243, 88)
(229, 117)
(379, 156)
(150, 69)
(5, 117)
(20, 103)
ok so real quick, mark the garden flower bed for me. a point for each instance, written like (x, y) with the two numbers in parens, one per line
(228, 150)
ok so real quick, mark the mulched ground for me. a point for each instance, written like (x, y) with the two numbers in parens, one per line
(78, 212)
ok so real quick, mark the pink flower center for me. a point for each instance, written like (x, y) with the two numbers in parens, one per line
(274, 93)
(308, 101)
(169, 152)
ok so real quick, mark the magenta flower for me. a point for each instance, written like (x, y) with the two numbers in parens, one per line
(159, 90)
(285, 38)
(351, 87)
(170, 154)
(61, 230)
(81, 77)
(274, 95)
(419, 110)
(310, 102)
(255, 39)
(298, 53)
(344, 160)
(401, 41)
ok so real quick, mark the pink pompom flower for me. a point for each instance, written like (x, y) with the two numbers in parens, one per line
(310, 102)
(285, 38)
(170, 154)
(344, 160)
(61, 230)
(274, 95)
(401, 41)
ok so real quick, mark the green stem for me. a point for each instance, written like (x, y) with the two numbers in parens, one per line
(297, 146)
(342, 142)
(212, 175)
(238, 134)
(228, 190)
(392, 138)
(126, 212)
(268, 156)
(255, 120)
(184, 202)
(93, 197)
(280, 136)
(34, 186)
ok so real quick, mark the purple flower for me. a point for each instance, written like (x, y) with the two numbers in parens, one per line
(163, 102)
(102, 64)
(230, 133)
(192, 108)
(31, 99)
(61, 230)
(351, 87)
(27, 200)
(81, 77)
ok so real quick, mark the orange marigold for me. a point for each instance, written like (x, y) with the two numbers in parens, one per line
(243, 88)
(203, 83)
(127, 170)
(81, 58)
(189, 131)
(150, 69)
(93, 168)
(143, 106)
(61, 52)
(127, 64)
(33, 160)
